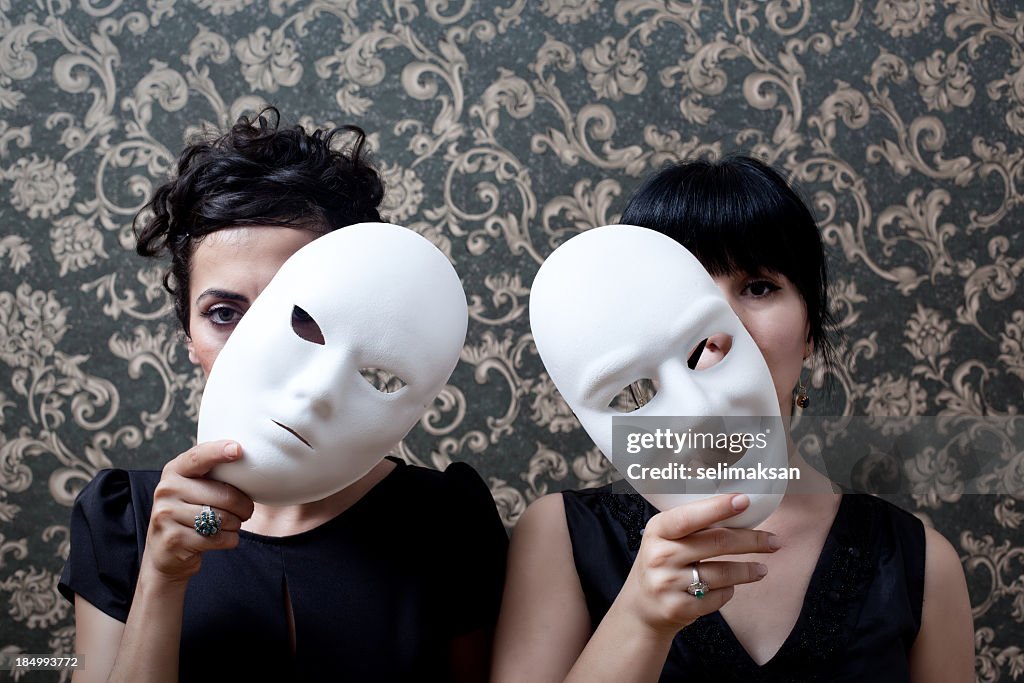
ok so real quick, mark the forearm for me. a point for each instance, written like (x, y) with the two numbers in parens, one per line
(623, 650)
(152, 635)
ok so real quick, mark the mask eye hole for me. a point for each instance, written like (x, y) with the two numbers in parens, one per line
(305, 327)
(384, 381)
(709, 352)
(694, 356)
(634, 396)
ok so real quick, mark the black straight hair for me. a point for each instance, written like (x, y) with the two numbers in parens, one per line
(740, 215)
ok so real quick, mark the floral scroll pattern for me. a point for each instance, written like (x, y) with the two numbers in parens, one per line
(502, 129)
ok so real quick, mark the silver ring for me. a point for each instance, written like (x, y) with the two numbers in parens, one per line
(697, 588)
(207, 522)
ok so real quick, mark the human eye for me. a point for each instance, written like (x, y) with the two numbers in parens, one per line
(760, 288)
(222, 314)
(305, 327)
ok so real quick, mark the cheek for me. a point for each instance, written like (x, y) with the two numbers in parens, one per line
(781, 341)
(785, 358)
(204, 349)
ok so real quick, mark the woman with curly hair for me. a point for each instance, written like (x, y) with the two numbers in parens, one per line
(359, 585)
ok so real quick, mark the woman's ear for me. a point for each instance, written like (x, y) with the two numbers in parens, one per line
(808, 346)
(193, 358)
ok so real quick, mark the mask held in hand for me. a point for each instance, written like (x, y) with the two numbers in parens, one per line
(334, 362)
(620, 315)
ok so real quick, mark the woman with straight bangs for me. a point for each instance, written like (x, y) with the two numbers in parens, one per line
(830, 587)
(377, 582)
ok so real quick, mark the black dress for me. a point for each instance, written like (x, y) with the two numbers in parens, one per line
(378, 593)
(860, 615)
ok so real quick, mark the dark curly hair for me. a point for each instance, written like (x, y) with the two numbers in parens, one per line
(257, 173)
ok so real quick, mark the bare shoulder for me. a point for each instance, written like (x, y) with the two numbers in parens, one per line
(544, 622)
(544, 517)
(942, 563)
(944, 648)
(541, 550)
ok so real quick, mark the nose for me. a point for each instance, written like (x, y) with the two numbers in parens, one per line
(717, 347)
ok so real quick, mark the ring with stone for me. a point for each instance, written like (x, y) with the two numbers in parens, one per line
(207, 522)
(697, 588)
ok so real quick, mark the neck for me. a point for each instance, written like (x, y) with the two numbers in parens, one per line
(288, 520)
(811, 480)
(808, 499)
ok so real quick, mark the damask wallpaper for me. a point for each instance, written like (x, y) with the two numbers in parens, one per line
(502, 128)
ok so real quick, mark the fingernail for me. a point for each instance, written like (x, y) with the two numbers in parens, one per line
(774, 543)
(740, 502)
(231, 450)
(760, 569)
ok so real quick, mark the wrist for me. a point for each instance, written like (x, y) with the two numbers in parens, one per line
(645, 632)
(158, 582)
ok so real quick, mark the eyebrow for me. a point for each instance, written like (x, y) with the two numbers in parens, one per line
(222, 294)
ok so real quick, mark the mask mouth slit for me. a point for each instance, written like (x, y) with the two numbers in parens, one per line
(293, 433)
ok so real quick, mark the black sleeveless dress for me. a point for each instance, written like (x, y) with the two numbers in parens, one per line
(378, 593)
(859, 619)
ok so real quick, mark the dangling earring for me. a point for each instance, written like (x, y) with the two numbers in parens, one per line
(801, 394)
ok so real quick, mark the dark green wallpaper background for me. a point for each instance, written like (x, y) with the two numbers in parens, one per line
(503, 128)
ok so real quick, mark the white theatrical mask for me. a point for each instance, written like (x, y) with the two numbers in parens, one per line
(289, 383)
(618, 304)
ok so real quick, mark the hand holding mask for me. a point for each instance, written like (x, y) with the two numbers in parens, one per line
(334, 363)
(599, 333)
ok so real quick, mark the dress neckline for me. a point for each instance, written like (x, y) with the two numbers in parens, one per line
(353, 510)
(815, 581)
(840, 575)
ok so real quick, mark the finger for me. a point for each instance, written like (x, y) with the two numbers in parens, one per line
(185, 515)
(714, 599)
(690, 517)
(201, 458)
(173, 542)
(174, 489)
(723, 574)
(222, 540)
(707, 543)
(215, 494)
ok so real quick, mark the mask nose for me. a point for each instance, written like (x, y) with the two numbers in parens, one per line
(316, 386)
(687, 392)
(321, 407)
(679, 392)
(307, 394)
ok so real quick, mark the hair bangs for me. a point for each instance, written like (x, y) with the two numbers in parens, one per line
(738, 215)
(737, 244)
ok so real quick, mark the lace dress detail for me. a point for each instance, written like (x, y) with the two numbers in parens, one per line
(859, 617)
(632, 512)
